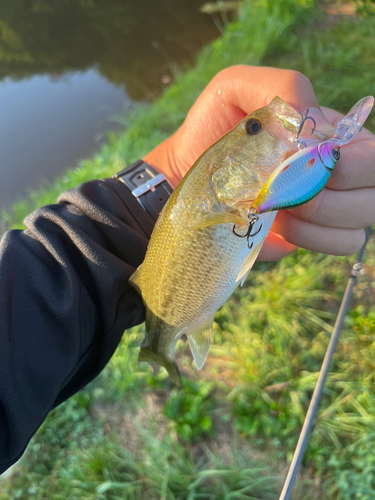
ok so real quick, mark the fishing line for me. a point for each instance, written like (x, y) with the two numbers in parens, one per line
(315, 400)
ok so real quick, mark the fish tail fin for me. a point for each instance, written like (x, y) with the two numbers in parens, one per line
(169, 364)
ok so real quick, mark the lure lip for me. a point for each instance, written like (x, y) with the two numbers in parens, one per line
(347, 128)
(352, 123)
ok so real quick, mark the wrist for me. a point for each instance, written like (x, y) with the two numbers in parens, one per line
(161, 159)
(148, 186)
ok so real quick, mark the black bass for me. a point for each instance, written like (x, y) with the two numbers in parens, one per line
(201, 247)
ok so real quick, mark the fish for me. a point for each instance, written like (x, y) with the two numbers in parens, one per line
(200, 249)
(303, 175)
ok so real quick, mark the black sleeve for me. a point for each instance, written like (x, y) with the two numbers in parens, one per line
(65, 301)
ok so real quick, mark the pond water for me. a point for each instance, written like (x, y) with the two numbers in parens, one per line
(67, 68)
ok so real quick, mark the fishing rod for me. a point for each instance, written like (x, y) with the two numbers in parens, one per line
(315, 400)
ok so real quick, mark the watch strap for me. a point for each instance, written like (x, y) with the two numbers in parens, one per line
(151, 189)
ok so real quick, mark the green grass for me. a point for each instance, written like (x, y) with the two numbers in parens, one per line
(339, 62)
(230, 432)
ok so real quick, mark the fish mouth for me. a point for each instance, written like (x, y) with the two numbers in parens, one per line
(285, 113)
(284, 120)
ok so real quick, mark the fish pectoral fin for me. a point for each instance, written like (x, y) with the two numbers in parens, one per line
(219, 218)
(168, 363)
(200, 342)
(248, 263)
(136, 280)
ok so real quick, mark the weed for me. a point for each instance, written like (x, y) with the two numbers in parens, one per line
(190, 408)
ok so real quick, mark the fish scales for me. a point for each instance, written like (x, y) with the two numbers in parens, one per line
(194, 260)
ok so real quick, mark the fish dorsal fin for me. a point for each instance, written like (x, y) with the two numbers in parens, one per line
(136, 279)
(218, 218)
(248, 263)
(200, 341)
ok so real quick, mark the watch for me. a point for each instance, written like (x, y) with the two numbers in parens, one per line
(151, 189)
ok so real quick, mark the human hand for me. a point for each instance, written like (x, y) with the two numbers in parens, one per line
(332, 222)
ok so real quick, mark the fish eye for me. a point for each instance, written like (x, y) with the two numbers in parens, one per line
(253, 126)
(336, 153)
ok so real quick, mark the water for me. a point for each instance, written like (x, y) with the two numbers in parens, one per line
(46, 126)
(66, 68)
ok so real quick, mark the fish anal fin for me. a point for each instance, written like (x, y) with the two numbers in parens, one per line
(168, 363)
(136, 280)
(218, 218)
(200, 342)
(248, 263)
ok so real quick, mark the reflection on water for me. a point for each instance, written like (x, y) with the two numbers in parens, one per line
(67, 66)
(46, 126)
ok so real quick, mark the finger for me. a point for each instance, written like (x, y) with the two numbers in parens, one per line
(327, 240)
(353, 209)
(356, 167)
(275, 248)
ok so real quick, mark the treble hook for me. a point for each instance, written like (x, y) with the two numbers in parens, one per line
(304, 119)
(253, 218)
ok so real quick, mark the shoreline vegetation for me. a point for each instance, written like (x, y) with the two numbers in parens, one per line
(231, 431)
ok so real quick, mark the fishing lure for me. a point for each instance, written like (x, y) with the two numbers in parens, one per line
(304, 174)
(298, 179)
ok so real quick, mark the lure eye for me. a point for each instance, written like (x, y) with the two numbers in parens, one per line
(336, 153)
(253, 126)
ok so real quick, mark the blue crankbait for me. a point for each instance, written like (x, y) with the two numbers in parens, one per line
(304, 174)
